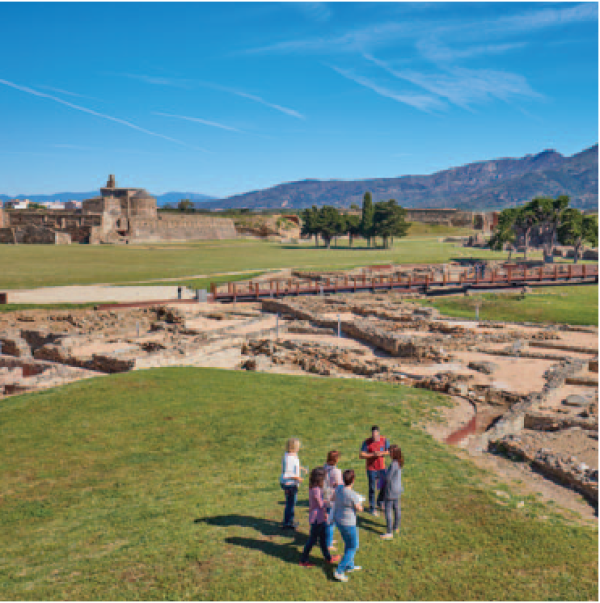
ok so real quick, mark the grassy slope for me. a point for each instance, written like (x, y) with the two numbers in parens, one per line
(573, 305)
(26, 266)
(164, 485)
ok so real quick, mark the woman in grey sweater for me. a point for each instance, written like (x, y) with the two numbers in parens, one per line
(393, 491)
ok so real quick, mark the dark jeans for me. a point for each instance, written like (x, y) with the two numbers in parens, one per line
(373, 477)
(291, 493)
(318, 532)
(392, 511)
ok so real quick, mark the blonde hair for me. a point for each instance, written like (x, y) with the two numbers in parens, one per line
(292, 445)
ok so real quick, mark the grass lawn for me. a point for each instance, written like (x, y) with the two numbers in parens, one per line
(163, 485)
(18, 307)
(576, 305)
(28, 266)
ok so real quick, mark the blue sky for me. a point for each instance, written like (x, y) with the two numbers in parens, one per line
(222, 98)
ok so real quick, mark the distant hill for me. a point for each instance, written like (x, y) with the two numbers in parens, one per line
(176, 197)
(161, 200)
(485, 185)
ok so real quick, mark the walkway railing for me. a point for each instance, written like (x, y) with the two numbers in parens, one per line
(468, 278)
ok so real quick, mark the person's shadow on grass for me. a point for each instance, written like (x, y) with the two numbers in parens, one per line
(288, 551)
(366, 521)
(266, 527)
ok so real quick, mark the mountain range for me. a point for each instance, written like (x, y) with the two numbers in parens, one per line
(161, 200)
(481, 186)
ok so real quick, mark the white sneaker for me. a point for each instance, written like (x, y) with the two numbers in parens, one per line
(340, 577)
(356, 568)
(386, 536)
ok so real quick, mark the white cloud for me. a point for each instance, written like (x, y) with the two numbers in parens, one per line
(437, 52)
(464, 87)
(158, 80)
(422, 102)
(182, 83)
(61, 91)
(373, 36)
(255, 98)
(315, 11)
(214, 124)
(94, 113)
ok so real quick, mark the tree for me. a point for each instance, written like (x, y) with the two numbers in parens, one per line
(525, 222)
(504, 233)
(366, 223)
(548, 214)
(352, 228)
(389, 221)
(354, 207)
(185, 205)
(330, 223)
(576, 228)
(310, 217)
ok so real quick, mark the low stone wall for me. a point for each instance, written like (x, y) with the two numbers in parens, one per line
(567, 470)
(544, 422)
(514, 420)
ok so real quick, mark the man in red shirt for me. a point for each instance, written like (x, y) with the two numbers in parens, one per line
(373, 450)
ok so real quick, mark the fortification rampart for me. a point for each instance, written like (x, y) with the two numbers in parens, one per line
(448, 217)
(178, 228)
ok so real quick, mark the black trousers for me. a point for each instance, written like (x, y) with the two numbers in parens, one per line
(318, 532)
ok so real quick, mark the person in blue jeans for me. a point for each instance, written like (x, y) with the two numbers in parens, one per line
(374, 450)
(347, 504)
(290, 480)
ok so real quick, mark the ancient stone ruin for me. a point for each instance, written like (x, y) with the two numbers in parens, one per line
(118, 215)
(533, 388)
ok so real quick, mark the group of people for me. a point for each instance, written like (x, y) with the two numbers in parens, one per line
(334, 503)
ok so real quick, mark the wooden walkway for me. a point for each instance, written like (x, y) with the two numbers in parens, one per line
(467, 279)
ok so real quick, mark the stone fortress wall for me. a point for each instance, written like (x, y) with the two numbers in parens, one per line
(169, 227)
(118, 215)
(453, 217)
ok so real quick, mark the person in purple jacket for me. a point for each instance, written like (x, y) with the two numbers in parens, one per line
(317, 517)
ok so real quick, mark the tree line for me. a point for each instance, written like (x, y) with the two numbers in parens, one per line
(385, 220)
(547, 221)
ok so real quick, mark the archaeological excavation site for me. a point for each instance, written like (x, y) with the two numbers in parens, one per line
(527, 392)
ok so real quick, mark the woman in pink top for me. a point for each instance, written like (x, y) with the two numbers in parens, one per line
(317, 517)
(332, 481)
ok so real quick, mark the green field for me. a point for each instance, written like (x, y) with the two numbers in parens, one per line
(163, 484)
(576, 305)
(28, 266)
